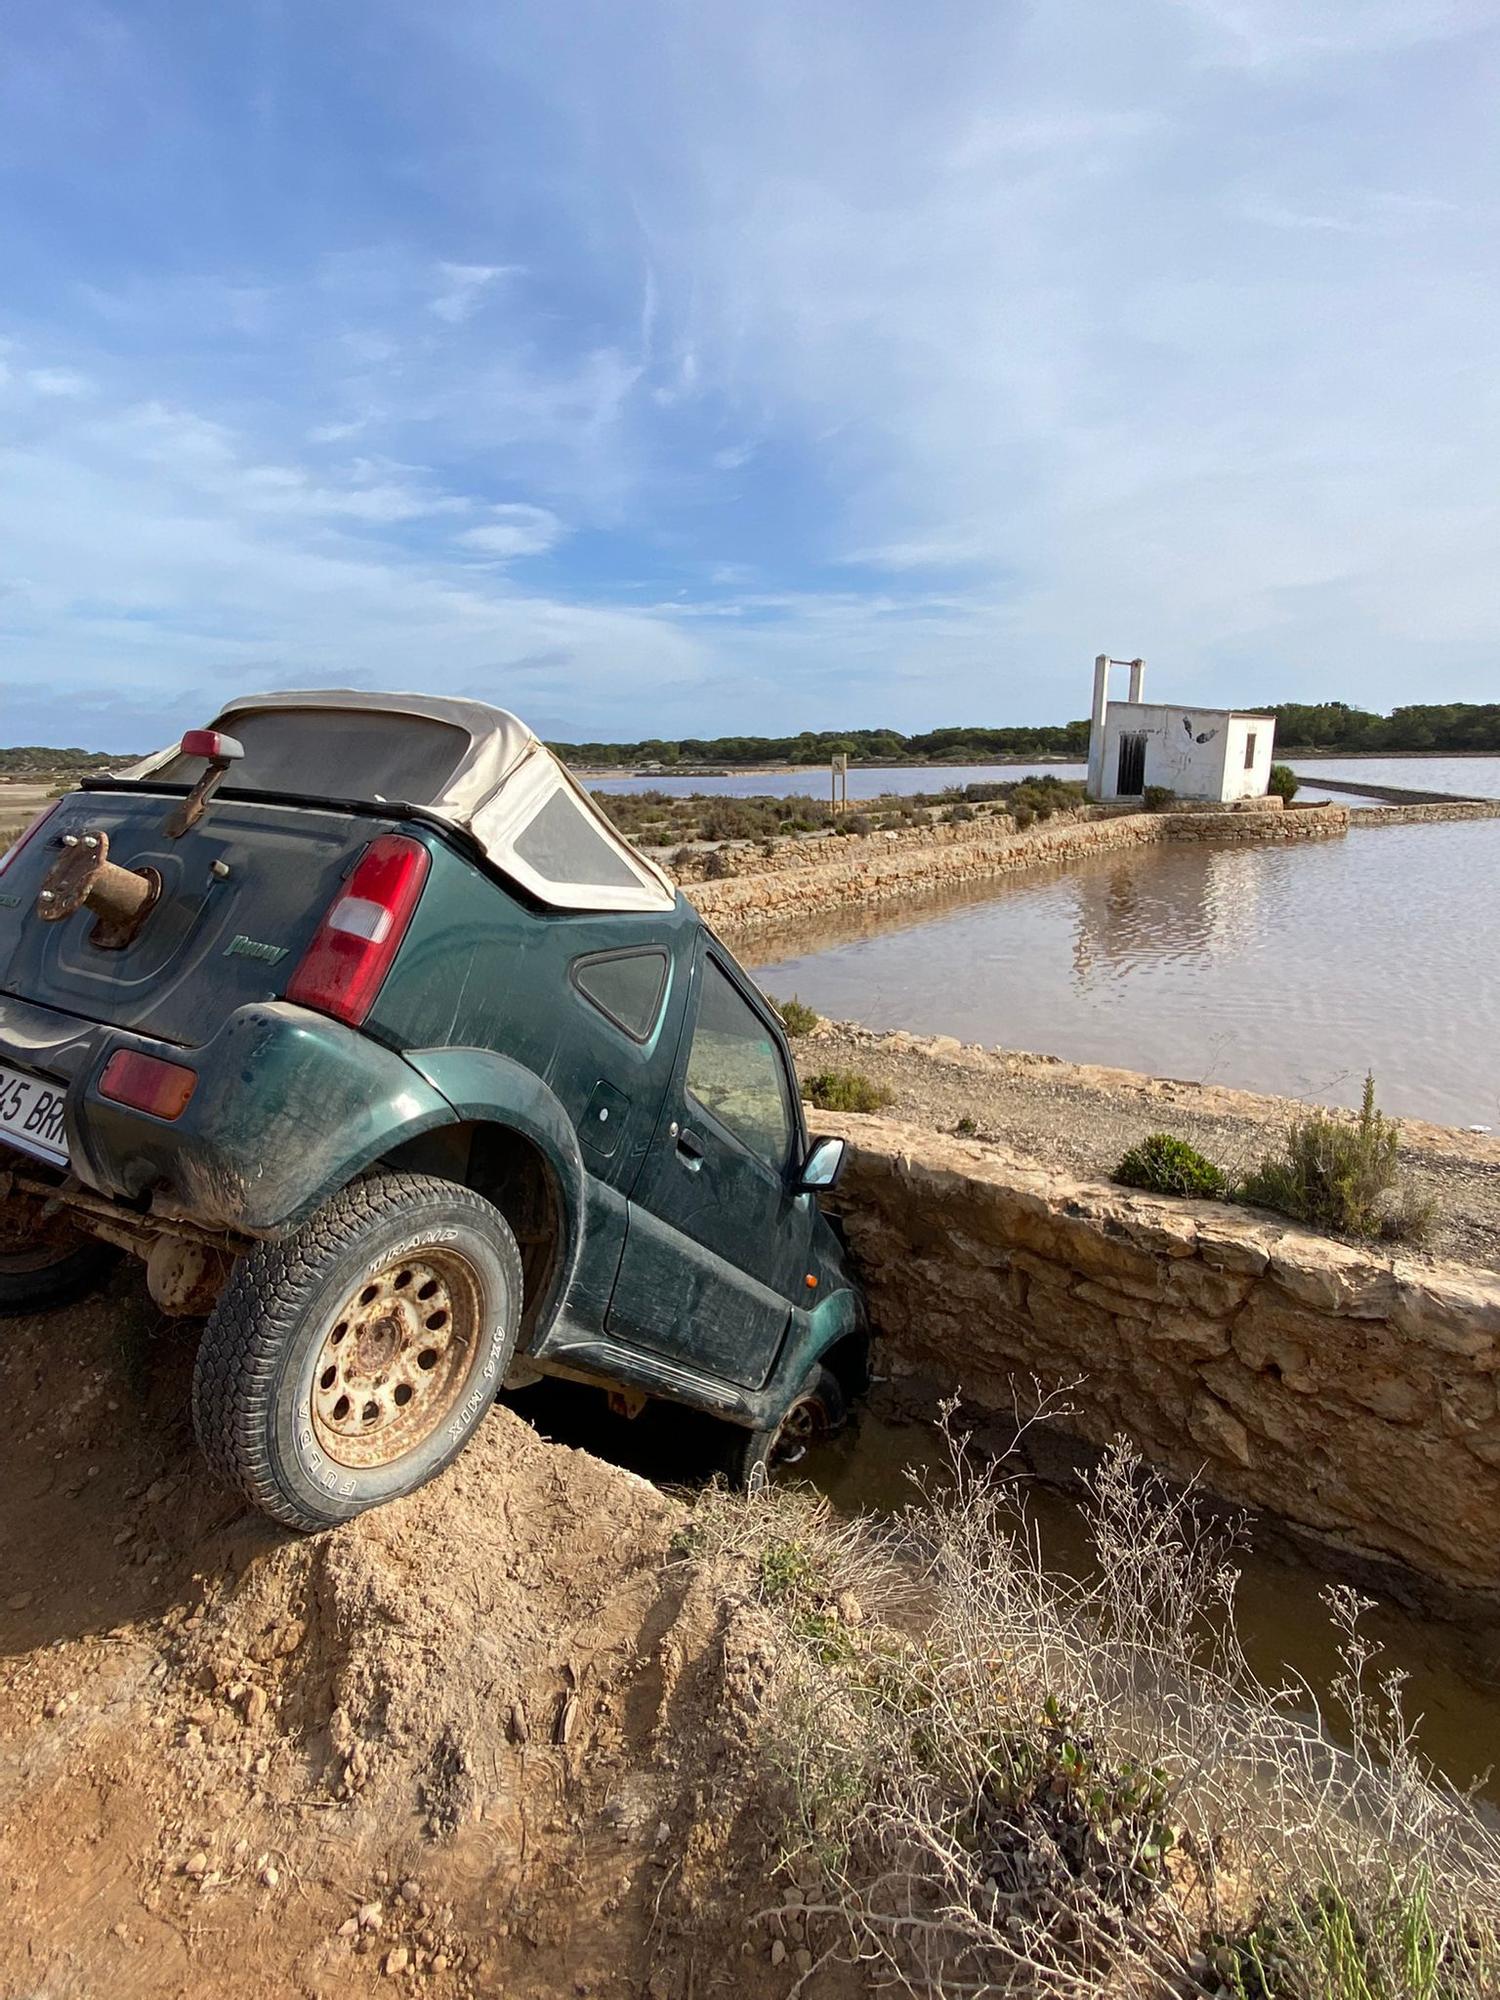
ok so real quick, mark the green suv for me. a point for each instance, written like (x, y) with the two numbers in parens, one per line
(356, 1020)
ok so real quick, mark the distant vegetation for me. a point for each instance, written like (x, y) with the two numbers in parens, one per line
(33, 763)
(658, 819)
(817, 746)
(1329, 725)
(1334, 725)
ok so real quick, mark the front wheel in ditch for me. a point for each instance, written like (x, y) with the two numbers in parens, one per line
(349, 1362)
(815, 1412)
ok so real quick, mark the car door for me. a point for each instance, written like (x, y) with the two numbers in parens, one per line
(716, 1243)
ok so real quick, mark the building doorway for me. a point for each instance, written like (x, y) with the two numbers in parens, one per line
(1131, 779)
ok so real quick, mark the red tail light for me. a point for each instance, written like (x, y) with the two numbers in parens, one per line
(146, 1083)
(13, 852)
(352, 949)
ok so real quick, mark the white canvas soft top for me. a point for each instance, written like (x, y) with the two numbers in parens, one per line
(480, 768)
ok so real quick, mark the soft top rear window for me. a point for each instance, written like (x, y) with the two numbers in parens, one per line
(339, 754)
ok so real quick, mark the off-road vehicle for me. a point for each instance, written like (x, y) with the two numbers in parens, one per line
(354, 1017)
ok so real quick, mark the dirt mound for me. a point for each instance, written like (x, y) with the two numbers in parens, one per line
(482, 1741)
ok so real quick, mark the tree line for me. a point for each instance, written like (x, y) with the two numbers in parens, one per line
(1328, 725)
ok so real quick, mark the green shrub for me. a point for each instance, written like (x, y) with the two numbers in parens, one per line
(960, 815)
(796, 1018)
(966, 1126)
(1342, 1177)
(1159, 798)
(1166, 1165)
(1282, 782)
(845, 1090)
(856, 823)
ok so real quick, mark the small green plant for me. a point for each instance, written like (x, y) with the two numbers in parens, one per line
(1165, 1165)
(1159, 798)
(1282, 782)
(966, 1126)
(845, 1090)
(796, 1018)
(1328, 1946)
(1341, 1177)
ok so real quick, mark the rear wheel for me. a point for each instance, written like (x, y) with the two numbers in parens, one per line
(45, 1262)
(348, 1363)
(815, 1412)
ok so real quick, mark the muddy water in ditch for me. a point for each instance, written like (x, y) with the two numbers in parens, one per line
(1452, 1667)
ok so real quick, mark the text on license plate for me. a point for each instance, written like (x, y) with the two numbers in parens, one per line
(31, 1114)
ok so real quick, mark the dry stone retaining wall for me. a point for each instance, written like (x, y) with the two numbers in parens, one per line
(1350, 1393)
(874, 868)
(1422, 815)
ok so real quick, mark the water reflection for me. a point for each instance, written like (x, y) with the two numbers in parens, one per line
(1127, 917)
(1281, 969)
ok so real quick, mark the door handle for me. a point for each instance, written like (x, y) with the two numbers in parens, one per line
(690, 1151)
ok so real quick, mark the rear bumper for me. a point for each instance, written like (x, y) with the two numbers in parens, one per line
(288, 1105)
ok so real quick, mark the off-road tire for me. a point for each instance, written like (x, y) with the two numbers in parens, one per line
(69, 1276)
(819, 1403)
(253, 1382)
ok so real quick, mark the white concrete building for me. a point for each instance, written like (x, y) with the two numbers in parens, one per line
(1198, 753)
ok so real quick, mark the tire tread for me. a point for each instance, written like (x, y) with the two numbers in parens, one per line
(234, 1378)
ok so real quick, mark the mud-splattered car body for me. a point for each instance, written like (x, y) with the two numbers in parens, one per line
(610, 1080)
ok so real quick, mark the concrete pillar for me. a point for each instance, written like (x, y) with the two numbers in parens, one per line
(1096, 726)
(1137, 678)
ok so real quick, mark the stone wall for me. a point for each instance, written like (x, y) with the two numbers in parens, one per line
(1351, 1393)
(833, 874)
(1423, 814)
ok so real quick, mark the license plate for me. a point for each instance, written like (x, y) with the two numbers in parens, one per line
(31, 1114)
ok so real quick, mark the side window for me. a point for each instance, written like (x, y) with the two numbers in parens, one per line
(563, 845)
(627, 986)
(735, 1071)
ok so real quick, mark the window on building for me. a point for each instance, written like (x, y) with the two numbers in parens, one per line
(627, 986)
(735, 1071)
(1250, 751)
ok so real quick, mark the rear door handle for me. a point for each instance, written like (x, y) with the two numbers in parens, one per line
(690, 1151)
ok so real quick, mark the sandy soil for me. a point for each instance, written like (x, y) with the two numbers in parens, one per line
(481, 1742)
(1083, 1117)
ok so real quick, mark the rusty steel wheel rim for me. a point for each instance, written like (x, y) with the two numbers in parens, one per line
(396, 1357)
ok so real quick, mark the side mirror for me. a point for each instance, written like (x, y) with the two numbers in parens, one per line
(823, 1165)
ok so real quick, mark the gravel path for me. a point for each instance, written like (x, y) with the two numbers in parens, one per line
(1081, 1117)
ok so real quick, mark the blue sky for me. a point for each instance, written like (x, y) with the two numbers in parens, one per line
(673, 368)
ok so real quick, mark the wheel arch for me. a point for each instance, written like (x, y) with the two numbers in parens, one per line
(512, 1142)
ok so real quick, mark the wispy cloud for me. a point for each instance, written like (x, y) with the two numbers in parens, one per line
(464, 287)
(514, 530)
(821, 361)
